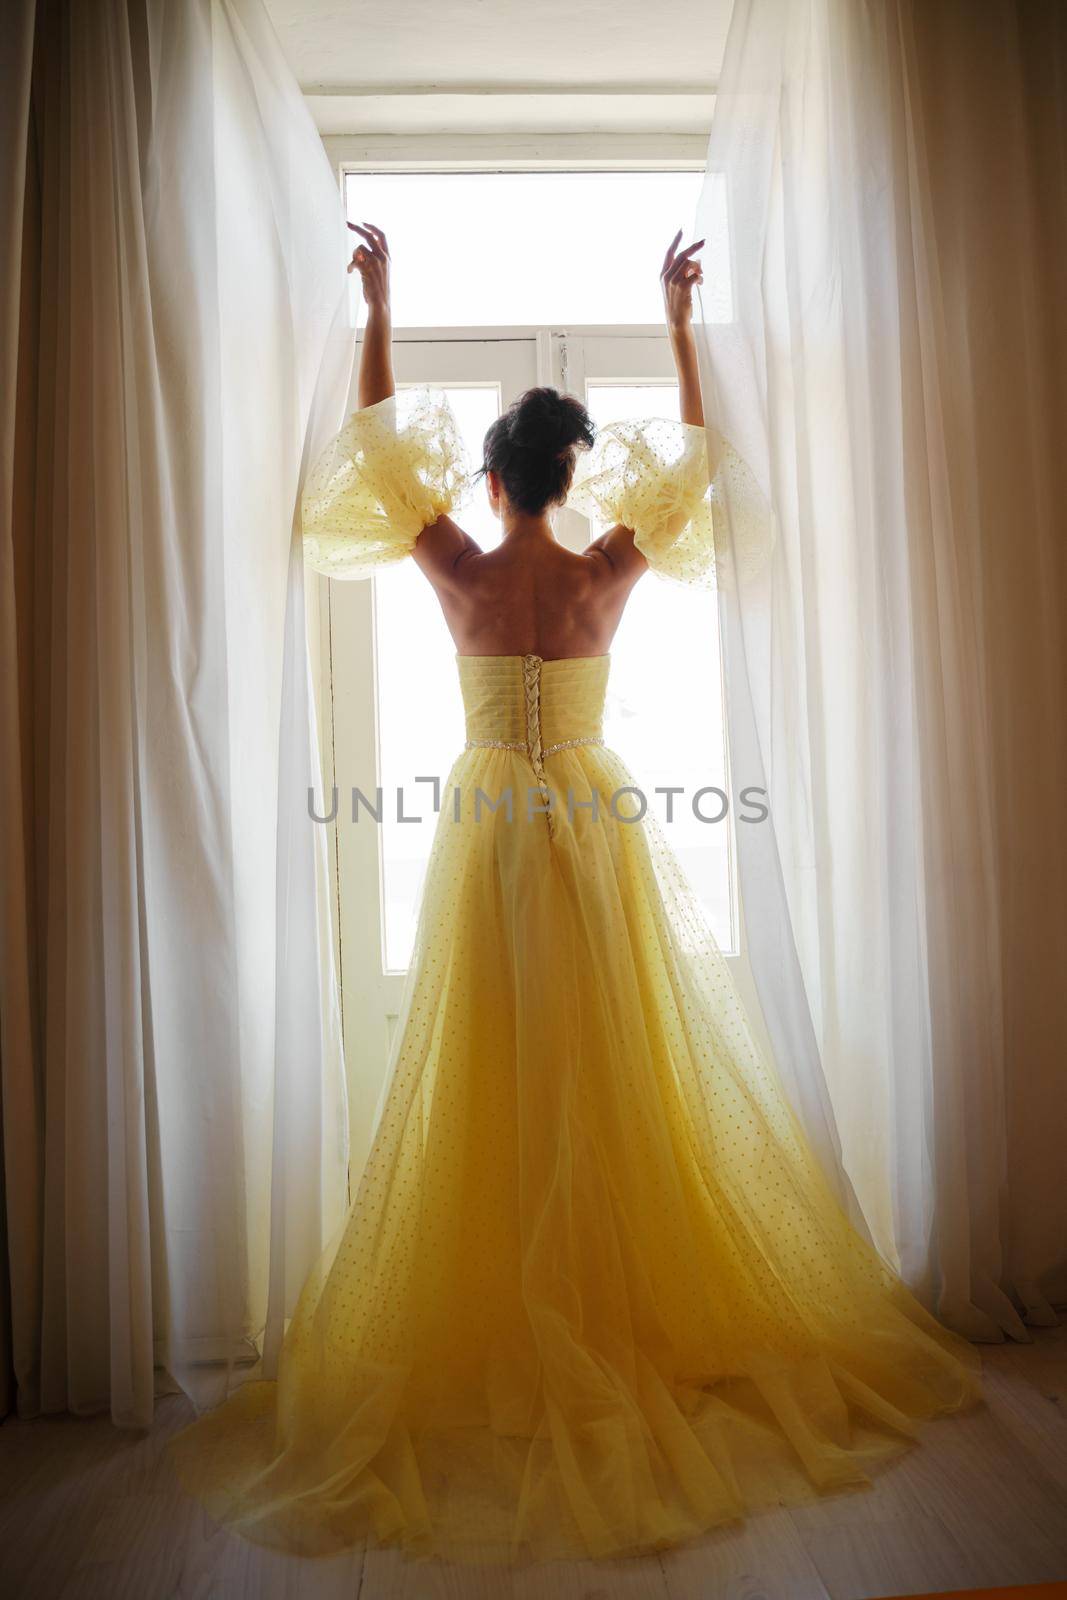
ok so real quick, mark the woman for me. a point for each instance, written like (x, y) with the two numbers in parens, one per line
(594, 1294)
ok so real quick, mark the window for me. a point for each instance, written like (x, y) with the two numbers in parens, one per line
(476, 249)
(485, 334)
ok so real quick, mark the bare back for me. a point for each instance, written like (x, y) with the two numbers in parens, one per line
(531, 595)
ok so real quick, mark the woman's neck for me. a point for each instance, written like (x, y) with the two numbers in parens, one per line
(527, 525)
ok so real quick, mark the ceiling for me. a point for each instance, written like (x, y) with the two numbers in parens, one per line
(404, 66)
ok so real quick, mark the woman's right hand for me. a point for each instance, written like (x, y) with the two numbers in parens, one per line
(371, 261)
(680, 274)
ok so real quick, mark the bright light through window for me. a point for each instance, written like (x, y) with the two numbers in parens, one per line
(420, 713)
(477, 249)
(664, 712)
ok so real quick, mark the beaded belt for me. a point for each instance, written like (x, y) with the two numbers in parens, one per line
(519, 744)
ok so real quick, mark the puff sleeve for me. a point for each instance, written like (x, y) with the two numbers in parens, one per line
(394, 468)
(652, 476)
(692, 520)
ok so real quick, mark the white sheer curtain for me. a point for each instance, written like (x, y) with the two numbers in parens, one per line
(174, 1125)
(897, 353)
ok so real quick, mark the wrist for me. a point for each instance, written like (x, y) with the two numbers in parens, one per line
(680, 332)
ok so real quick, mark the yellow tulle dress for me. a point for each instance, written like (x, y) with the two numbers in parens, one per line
(594, 1295)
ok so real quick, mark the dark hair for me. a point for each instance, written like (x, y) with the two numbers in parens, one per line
(532, 447)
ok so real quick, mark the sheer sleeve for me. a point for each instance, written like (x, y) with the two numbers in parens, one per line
(693, 520)
(394, 468)
(652, 476)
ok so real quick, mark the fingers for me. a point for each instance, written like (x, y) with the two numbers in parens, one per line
(365, 234)
(675, 267)
(378, 235)
(373, 235)
(371, 258)
(682, 273)
(682, 262)
(671, 248)
(687, 272)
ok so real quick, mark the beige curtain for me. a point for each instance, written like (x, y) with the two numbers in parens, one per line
(984, 182)
(174, 1123)
(19, 1156)
(895, 372)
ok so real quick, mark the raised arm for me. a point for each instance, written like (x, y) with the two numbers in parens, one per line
(371, 261)
(442, 545)
(681, 272)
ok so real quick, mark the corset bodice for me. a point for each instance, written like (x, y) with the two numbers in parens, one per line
(524, 703)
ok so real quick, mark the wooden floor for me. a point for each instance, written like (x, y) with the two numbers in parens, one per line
(89, 1511)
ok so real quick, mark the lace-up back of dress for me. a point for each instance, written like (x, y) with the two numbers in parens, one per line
(524, 703)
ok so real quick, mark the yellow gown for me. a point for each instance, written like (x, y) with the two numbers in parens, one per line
(594, 1294)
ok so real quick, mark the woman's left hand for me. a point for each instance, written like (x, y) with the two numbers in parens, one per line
(679, 275)
(371, 261)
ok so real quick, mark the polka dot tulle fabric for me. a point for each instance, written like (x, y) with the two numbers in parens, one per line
(652, 476)
(394, 468)
(696, 519)
(594, 1295)
(398, 465)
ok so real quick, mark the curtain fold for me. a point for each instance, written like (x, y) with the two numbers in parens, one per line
(20, 1160)
(173, 1094)
(891, 371)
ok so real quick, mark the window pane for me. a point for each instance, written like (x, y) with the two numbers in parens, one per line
(478, 249)
(665, 711)
(420, 715)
